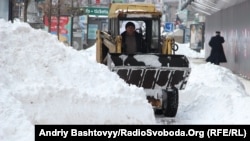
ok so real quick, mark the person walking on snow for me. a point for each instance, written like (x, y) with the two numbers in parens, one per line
(217, 54)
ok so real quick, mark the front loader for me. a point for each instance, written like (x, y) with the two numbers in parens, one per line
(160, 71)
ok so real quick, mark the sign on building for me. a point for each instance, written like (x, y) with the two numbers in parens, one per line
(169, 27)
(117, 1)
(96, 11)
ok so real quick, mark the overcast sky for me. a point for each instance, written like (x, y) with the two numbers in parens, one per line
(42, 81)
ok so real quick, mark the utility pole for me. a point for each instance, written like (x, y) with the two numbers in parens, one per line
(49, 15)
(58, 18)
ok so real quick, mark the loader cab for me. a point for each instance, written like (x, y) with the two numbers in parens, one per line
(148, 27)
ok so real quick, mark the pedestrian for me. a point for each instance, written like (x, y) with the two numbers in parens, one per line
(132, 41)
(217, 54)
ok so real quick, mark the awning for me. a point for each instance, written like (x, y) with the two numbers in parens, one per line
(209, 7)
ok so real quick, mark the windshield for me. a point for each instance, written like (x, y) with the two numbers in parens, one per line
(139, 25)
(148, 28)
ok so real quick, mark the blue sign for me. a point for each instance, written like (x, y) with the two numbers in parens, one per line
(169, 27)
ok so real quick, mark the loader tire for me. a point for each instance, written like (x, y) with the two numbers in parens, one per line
(170, 102)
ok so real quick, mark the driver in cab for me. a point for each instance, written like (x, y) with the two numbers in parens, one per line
(132, 41)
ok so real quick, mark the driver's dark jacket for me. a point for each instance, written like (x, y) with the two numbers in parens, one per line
(139, 42)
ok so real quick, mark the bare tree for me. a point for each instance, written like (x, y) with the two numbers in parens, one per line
(52, 8)
(26, 3)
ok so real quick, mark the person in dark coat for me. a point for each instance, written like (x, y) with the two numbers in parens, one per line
(132, 41)
(217, 54)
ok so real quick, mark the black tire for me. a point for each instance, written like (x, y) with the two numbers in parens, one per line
(170, 102)
(158, 111)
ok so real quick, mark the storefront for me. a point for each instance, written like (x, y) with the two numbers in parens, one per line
(5, 10)
(85, 26)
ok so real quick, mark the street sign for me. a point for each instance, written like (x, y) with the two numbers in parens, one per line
(117, 1)
(169, 27)
(96, 11)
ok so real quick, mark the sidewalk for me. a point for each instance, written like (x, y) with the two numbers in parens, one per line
(246, 82)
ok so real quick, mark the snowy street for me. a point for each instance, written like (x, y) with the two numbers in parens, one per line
(42, 81)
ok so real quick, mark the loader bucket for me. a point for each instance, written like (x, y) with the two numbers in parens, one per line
(151, 71)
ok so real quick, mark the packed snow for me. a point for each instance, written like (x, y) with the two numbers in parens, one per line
(43, 81)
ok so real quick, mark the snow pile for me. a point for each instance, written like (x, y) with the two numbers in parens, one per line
(46, 82)
(215, 92)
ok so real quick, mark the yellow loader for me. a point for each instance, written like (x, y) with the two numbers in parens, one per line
(160, 71)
